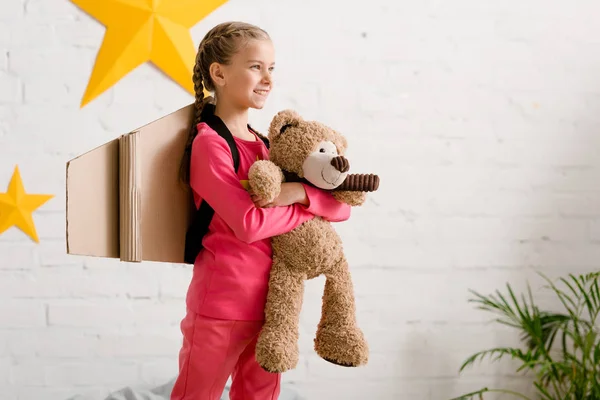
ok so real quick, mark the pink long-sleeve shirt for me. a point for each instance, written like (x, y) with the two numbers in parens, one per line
(231, 273)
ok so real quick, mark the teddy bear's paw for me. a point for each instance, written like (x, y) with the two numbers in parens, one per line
(351, 198)
(347, 348)
(276, 355)
(265, 179)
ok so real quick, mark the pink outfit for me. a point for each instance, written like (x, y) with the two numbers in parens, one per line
(231, 273)
(228, 291)
(215, 349)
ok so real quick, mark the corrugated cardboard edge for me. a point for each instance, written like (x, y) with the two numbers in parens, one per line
(130, 242)
(67, 206)
(68, 167)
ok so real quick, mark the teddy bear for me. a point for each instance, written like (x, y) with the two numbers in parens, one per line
(313, 153)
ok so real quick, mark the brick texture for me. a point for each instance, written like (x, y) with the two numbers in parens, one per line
(480, 117)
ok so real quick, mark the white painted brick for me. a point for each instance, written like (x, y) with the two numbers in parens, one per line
(576, 256)
(53, 253)
(58, 62)
(49, 225)
(61, 373)
(595, 230)
(10, 88)
(5, 41)
(482, 204)
(17, 256)
(12, 10)
(28, 33)
(174, 281)
(578, 206)
(384, 297)
(116, 315)
(85, 314)
(3, 58)
(138, 345)
(451, 388)
(113, 120)
(5, 371)
(62, 393)
(92, 373)
(376, 388)
(159, 371)
(79, 31)
(11, 393)
(42, 10)
(479, 118)
(51, 342)
(22, 314)
(135, 89)
(57, 282)
(168, 312)
(300, 373)
(4, 344)
(40, 91)
(493, 230)
(28, 371)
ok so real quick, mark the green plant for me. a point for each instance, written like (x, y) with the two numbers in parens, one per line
(567, 369)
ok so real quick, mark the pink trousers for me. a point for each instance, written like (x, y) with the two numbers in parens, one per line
(212, 351)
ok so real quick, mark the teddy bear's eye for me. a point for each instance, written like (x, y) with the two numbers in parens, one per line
(322, 150)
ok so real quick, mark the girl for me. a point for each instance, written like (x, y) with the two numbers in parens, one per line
(227, 293)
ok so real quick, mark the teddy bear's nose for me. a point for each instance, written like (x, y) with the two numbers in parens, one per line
(340, 163)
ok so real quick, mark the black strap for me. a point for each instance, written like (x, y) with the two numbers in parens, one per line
(202, 218)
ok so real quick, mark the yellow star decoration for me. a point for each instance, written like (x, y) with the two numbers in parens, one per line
(138, 31)
(16, 206)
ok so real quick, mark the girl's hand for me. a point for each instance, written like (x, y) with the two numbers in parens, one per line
(291, 193)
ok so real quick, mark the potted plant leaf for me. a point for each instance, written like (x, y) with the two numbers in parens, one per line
(560, 350)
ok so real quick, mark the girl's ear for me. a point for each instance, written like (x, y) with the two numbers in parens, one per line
(217, 74)
(283, 120)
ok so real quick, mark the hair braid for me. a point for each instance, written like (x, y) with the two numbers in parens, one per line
(218, 45)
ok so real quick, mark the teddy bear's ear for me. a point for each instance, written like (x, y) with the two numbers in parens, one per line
(283, 120)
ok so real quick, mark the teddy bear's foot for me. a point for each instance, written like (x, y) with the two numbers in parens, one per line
(347, 348)
(276, 355)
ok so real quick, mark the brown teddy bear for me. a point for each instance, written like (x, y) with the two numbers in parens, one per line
(310, 152)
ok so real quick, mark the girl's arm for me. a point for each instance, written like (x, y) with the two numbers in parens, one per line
(323, 204)
(213, 178)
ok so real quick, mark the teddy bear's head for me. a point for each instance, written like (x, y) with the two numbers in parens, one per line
(308, 149)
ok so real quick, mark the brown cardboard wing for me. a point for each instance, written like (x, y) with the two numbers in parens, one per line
(124, 198)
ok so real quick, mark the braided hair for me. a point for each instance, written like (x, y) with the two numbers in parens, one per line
(218, 45)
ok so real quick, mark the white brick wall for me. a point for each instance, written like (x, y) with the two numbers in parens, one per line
(481, 118)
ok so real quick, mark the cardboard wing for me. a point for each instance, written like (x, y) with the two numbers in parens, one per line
(124, 198)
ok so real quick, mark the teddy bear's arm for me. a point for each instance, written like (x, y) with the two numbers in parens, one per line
(350, 197)
(265, 178)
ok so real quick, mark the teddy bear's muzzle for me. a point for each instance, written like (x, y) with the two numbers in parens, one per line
(341, 163)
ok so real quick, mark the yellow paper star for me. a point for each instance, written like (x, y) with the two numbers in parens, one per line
(138, 31)
(16, 206)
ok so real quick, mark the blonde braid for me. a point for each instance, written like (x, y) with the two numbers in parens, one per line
(218, 45)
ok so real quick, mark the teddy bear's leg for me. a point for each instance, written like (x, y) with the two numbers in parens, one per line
(277, 345)
(338, 339)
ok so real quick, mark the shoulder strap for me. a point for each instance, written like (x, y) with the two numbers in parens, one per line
(261, 137)
(217, 124)
(203, 216)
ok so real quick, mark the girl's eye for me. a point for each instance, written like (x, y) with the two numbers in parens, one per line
(255, 66)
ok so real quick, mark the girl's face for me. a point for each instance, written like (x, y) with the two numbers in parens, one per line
(247, 80)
